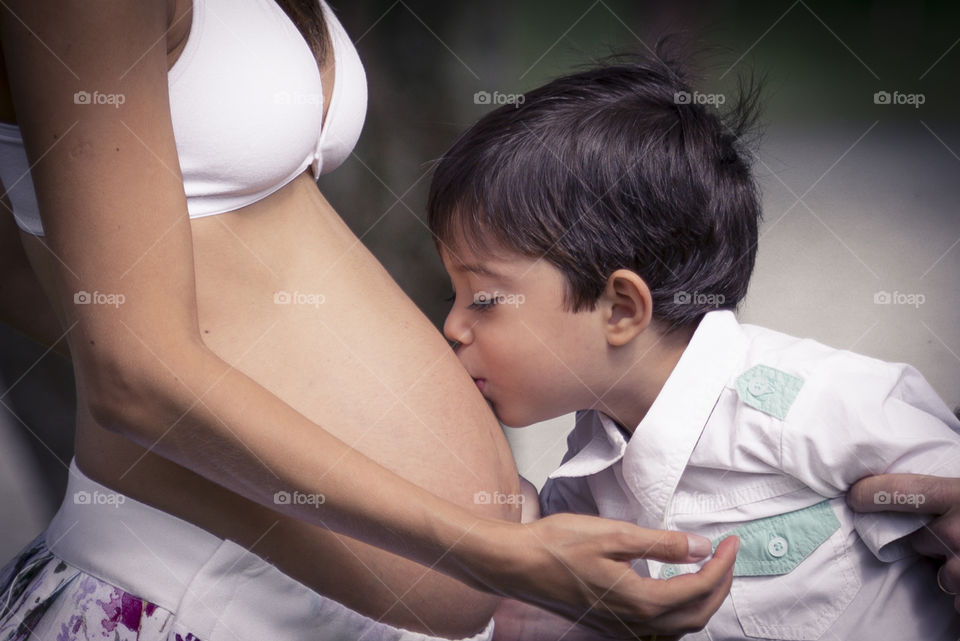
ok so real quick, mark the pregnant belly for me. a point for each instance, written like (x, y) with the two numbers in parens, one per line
(288, 295)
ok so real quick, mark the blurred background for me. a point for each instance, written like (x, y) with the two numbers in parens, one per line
(859, 165)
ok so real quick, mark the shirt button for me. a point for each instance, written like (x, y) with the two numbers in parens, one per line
(757, 388)
(777, 546)
(668, 572)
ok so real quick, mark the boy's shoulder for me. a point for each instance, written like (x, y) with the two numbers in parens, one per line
(781, 373)
(807, 355)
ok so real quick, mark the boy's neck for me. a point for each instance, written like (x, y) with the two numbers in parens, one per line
(639, 375)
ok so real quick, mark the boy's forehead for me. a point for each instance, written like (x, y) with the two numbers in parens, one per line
(462, 259)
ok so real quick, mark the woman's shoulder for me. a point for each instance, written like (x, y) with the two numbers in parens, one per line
(178, 22)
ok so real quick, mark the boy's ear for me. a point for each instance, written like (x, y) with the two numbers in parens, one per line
(627, 307)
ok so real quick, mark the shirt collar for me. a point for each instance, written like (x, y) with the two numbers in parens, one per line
(596, 444)
(661, 445)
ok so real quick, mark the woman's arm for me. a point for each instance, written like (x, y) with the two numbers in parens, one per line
(23, 303)
(90, 90)
(114, 211)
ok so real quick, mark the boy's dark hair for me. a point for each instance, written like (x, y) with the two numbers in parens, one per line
(619, 166)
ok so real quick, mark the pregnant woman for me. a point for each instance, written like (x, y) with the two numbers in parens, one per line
(272, 442)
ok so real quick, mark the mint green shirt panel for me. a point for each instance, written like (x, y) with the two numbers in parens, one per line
(768, 390)
(778, 544)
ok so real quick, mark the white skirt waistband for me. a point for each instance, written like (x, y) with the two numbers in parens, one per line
(216, 588)
(124, 542)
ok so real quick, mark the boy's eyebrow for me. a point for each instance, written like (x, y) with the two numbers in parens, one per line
(479, 269)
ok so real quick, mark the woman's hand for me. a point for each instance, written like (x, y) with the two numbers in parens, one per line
(941, 497)
(516, 621)
(579, 567)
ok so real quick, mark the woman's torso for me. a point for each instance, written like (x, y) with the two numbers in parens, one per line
(352, 353)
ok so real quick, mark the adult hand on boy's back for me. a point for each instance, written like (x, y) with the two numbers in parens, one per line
(941, 537)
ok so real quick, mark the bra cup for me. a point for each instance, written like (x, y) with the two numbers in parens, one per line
(246, 104)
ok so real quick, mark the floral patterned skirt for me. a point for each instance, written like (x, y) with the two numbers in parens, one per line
(44, 598)
(110, 567)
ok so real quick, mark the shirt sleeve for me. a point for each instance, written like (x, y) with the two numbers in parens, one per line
(866, 417)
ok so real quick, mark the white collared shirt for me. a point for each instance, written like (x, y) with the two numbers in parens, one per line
(761, 434)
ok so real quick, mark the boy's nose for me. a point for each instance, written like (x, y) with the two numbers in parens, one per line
(456, 329)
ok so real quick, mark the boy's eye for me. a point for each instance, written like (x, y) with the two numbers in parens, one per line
(482, 307)
(482, 302)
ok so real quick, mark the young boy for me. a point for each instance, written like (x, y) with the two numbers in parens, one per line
(598, 237)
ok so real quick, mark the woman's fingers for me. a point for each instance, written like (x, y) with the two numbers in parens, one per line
(662, 545)
(916, 493)
(905, 493)
(712, 583)
(949, 576)
(706, 589)
(938, 538)
(582, 569)
(679, 605)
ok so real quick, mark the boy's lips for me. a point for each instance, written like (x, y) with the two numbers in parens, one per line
(481, 383)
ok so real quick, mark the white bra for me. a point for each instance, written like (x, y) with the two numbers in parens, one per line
(247, 107)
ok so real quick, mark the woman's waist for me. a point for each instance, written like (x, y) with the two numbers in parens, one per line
(130, 480)
(117, 539)
(363, 363)
(214, 585)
